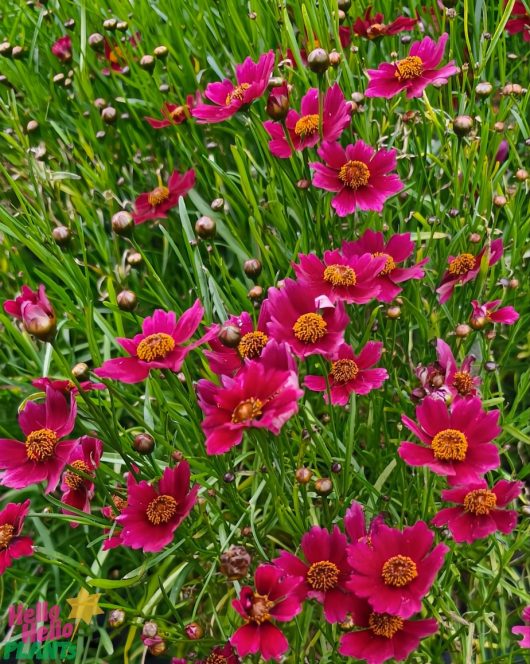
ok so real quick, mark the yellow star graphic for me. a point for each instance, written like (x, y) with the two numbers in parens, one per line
(84, 607)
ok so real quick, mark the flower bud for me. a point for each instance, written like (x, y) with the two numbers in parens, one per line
(509, 89)
(303, 184)
(278, 102)
(478, 322)
(134, 258)
(116, 618)
(80, 371)
(393, 312)
(344, 5)
(513, 283)
(144, 443)
(335, 58)
(96, 41)
(194, 631)
(62, 235)
(122, 26)
(252, 268)
(490, 366)
(122, 222)
(205, 227)
(499, 200)
(229, 335)
(483, 89)
(5, 49)
(161, 52)
(158, 648)
(235, 562)
(32, 127)
(318, 61)
(150, 629)
(110, 24)
(303, 475)
(323, 486)
(147, 62)
(126, 300)
(255, 293)
(228, 478)
(462, 125)
(217, 204)
(521, 174)
(462, 330)
(108, 115)
(336, 467)
(18, 52)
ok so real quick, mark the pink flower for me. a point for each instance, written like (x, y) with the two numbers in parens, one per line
(325, 573)
(62, 48)
(491, 312)
(275, 598)
(111, 513)
(350, 373)
(175, 114)
(340, 277)
(456, 442)
(42, 456)
(359, 176)
(261, 395)
(414, 73)
(524, 630)
(159, 346)
(35, 311)
(479, 514)
(372, 27)
(382, 636)
(503, 151)
(219, 655)
(156, 203)
(519, 22)
(277, 105)
(395, 251)
(77, 490)
(396, 569)
(252, 80)
(303, 128)
(115, 56)
(465, 267)
(12, 545)
(67, 386)
(355, 524)
(154, 512)
(307, 324)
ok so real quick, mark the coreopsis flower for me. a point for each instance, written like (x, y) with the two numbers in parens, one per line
(324, 571)
(111, 513)
(480, 510)
(12, 544)
(67, 386)
(359, 175)
(466, 267)
(398, 248)
(524, 630)
(62, 48)
(35, 311)
(252, 79)
(519, 21)
(308, 324)
(43, 455)
(175, 114)
(414, 73)
(115, 56)
(382, 636)
(275, 599)
(350, 373)
(456, 441)
(339, 277)
(356, 526)
(78, 491)
(373, 27)
(303, 128)
(502, 152)
(396, 569)
(156, 203)
(261, 395)
(491, 312)
(158, 346)
(221, 655)
(155, 511)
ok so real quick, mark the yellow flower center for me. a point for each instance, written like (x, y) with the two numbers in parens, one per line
(389, 266)
(344, 370)
(354, 174)
(306, 125)
(6, 535)
(463, 383)
(155, 347)
(40, 445)
(259, 611)
(252, 344)
(247, 410)
(461, 264)
(157, 196)
(409, 68)
(376, 30)
(115, 55)
(385, 625)
(480, 502)
(214, 658)
(309, 328)
(179, 111)
(323, 575)
(237, 93)
(120, 504)
(449, 445)
(72, 479)
(399, 571)
(340, 275)
(161, 509)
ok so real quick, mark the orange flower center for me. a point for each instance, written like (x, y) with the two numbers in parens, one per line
(461, 264)
(376, 30)
(399, 571)
(344, 370)
(157, 196)
(463, 383)
(259, 611)
(306, 125)
(247, 410)
(354, 174)
(214, 658)
(449, 445)
(72, 479)
(120, 504)
(385, 625)
(161, 509)
(237, 93)
(480, 502)
(309, 328)
(180, 111)
(40, 445)
(323, 575)
(409, 69)
(389, 266)
(6, 535)
(155, 347)
(252, 344)
(340, 275)
(115, 55)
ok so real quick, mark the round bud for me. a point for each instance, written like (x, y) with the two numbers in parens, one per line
(252, 268)
(229, 336)
(134, 258)
(462, 330)
(478, 322)
(229, 478)
(303, 475)
(177, 456)
(161, 52)
(158, 648)
(18, 52)
(509, 89)
(474, 238)
(96, 41)
(80, 371)
(126, 300)
(116, 618)
(323, 486)
(344, 5)
(499, 127)
(393, 312)
(144, 443)
(499, 200)
(122, 26)
(194, 631)
(217, 204)
(205, 227)
(235, 562)
(62, 235)
(336, 467)
(335, 58)
(59, 78)
(318, 61)
(147, 62)
(5, 49)
(513, 283)
(342, 16)
(255, 293)
(108, 115)
(99, 103)
(483, 89)
(122, 222)
(110, 24)
(303, 184)
(32, 127)
(521, 174)
(100, 135)
(490, 366)
(462, 125)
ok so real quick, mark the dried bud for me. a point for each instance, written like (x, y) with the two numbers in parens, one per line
(217, 204)
(116, 618)
(255, 293)
(521, 174)
(252, 268)
(62, 235)
(126, 300)
(335, 58)
(110, 24)
(478, 322)
(96, 41)
(122, 223)
(147, 62)
(499, 200)
(318, 61)
(80, 371)
(229, 336)
(462, 330)
(205, 227)
(278, 102)
(235, 562)
(323, 486)
(161, 52)
(144, 443)
(303, 475)
(483, 89)
(462, 125)
(393, 312)
(150, 629)
(194, 631)
(108, 115)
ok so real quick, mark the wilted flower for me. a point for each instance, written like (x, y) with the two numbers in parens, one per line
(372, 27)
(77, 490)
(35, 311)
(175, 114)
(12, 545)
(62, 48)
(156, 203)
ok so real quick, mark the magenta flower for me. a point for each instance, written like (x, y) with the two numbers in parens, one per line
(325, 573)
(457, 443)
(479, 510)
(111, 513)
(395, 251)
(307, 324)
(372, 27)
(262, 396)
(414, 73)
(252, 79)
(42, 456)
(78, 491)
(218, 655)
(396, 569)
(12, 545)
(503, 151)
(350, 373)
(159, 346)
(156, 203)
(35, 311)
(359, 176)
(491, 312)
(339, 277)
(276, 598)
(66, 386)
(116, 57)
(355, 524)
(62, 48)
(524, 630)
(303, 127)
(519, 22)
(175, 114)
(154, 512)
(381, 636)
(465, 267)
(277, 105)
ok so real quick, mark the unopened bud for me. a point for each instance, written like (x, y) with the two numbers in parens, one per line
(158, 648)
(499, 200)
(194, 631)
(521, 174)
(462, 125)
(229, 336)
(80, 371)
(462, 330)
(122, 222)
(252, 268)
(335, 58)
(144, 443)
(255, 293)
(318, 61)
(110, 24)
(478, 322)
(96, 41)
(147, 62)
(483, 89)
(150, 629)
(161, 52)
(126, 300)
(323, 486)
(303, 475)
(205, 227)
(108, 115)
(278, 102)
(134, 258)
(116, 618)
(122, 26)
(217, 204)
(62, 235)
(393, 312)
